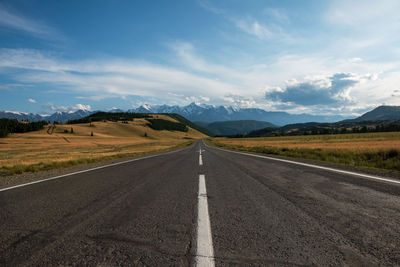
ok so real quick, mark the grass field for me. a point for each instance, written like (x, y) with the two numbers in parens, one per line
(370, 150)
(34, 151)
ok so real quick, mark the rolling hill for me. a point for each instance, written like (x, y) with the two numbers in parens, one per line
(235, 127)
(71, 144)
(380, 113)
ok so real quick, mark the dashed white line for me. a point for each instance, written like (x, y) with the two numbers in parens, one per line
(200, 160)
(204, 249)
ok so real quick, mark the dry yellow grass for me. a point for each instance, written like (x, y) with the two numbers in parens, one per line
(366, 150)
(367, 141)
(110, 139)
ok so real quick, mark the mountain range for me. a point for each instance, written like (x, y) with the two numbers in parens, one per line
(57, 116)
(380, 119)
(380, 113)
(209, 114)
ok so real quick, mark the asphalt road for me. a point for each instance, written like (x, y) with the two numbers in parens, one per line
(250, 212)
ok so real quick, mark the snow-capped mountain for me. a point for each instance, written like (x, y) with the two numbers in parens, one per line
(21, 116)
(208, 113)
(57, 116)
(193, 112)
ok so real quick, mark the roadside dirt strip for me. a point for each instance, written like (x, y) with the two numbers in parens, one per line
(203, 206)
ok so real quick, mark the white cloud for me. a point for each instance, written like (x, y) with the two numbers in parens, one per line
(11, 86)
(210, 7)
(240, 101)
(276, 15)
(96, 97)
(30, 100)
(332, 90)
(198, 79)
(204, 98)
(253, 27)
(365, 25)
(67, 108)
(115, 77)
(15, 21)
(362, 13)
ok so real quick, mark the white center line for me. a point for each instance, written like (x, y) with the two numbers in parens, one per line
(200, 160)
(205, 251)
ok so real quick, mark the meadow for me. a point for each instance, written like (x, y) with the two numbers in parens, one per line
(39, 150)
(365, 150)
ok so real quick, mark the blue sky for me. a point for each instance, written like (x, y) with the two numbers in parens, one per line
(320, 57)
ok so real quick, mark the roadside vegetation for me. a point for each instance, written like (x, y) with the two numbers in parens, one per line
(48, 165)
(364, 150)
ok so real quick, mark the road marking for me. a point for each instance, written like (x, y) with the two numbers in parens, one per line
(204, 249)
(200, 160)
(365, 176)
(88, 170)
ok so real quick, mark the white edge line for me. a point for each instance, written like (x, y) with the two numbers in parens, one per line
(204, 245)
(92, 169)
(367, 176)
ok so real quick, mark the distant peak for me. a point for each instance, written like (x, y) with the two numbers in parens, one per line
(146, 106)
(15, 112)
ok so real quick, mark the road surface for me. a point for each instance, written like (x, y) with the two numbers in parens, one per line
(189, 208)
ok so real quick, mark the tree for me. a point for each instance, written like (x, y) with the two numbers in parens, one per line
(91, 134)
(72, 130)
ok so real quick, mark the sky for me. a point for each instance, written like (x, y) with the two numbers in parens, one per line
(319, 57)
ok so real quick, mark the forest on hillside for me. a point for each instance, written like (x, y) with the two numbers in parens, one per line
(109, 116)
(8, 126)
